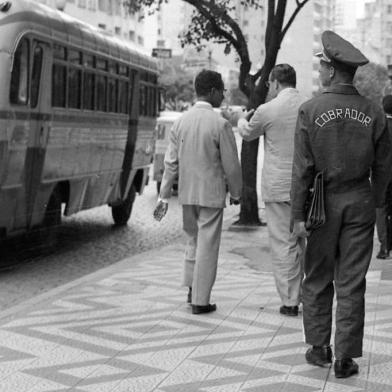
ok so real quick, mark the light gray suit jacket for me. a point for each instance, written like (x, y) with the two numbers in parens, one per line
(202, 152)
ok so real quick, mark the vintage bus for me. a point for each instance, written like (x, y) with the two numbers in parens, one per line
(77, 118)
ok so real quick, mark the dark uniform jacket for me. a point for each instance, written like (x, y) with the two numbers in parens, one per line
(345, 135)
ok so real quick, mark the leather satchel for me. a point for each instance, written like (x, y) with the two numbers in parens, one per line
(315, 214)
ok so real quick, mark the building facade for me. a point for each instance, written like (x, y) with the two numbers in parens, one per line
(108, 15)
(375, 31)
(303, 40)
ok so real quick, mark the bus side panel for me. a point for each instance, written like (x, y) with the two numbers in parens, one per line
(14, 141)
(90, 158)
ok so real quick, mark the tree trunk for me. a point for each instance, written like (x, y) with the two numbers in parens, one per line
(249, 212)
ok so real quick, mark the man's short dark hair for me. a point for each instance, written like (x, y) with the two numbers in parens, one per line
(206, 80)
(284, 74)
(347, 70)
(387, 104)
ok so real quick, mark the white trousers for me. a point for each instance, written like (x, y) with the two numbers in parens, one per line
(287, 253)
(203, 226)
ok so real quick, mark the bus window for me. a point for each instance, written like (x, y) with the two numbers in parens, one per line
(89, 91)
(101, 92)
(59, 83)
(143, 100)
(74, 56)
(36, 74)
(112, 94)
(74, 87)
(123, 97)
(20, 74)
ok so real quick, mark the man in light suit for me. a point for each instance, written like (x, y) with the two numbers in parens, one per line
(202, 152)
(275, 121)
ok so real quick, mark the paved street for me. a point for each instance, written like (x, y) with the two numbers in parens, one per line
(127, 328)
(88, 242)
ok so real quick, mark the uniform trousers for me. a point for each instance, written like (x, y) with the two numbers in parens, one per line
(287, 252)
(381, 225)
(337, 258)
(203, 226)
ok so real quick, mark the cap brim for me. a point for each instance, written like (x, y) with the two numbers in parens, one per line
(322, 56)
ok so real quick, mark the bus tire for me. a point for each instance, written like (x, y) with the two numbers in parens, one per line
(52, 217)
(44, 237)
(122, 212)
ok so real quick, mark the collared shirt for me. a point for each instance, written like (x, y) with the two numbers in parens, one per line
(345, 135)
(275, 120)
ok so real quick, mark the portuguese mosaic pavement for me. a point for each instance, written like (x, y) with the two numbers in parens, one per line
(128, 329)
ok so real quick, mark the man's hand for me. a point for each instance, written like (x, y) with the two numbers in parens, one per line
(160, 210)
(299, 229)
(249, 114)
(234, 201)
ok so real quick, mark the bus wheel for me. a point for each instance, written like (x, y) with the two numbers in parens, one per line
(53, 210)
(45, 236)
(158, 186)
(122, 212)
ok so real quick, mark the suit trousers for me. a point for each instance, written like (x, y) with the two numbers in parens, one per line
(203, 226)
(287, 252)
(337, 258)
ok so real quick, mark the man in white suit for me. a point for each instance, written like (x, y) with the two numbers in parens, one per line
(202, 152)
(275, 121)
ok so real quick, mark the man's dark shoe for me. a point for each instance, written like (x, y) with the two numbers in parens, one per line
(189, 299)
(198, 309)
(382, 254)
(289, 310)
(345, 368)
(319, 355)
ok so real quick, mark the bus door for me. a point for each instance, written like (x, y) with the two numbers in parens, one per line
(130, 98)
(39, 128)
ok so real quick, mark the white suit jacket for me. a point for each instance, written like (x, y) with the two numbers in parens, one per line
(202, 152)
(276, 121)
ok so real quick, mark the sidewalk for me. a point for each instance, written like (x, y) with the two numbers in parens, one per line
(127, 328)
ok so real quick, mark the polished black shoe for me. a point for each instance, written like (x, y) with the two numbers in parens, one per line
(289, 310)
(382, 254)
(198, 309)
(319, 355)
(189, 299)
(345, 368)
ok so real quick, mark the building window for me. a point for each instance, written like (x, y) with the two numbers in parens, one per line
(102, 26)
(117, 7)
(82, 3)
(140, 40)
(92, 5)
(160, 43)
(117, 30)
(102, 5)
(389, 9)
(131, 35)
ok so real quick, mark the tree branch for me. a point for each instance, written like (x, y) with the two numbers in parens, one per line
(209, 9)
(270, 21)
(300, 4)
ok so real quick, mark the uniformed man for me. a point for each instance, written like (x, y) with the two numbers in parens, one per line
(344, 135)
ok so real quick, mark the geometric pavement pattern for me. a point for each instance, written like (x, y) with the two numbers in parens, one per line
(128, 329)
